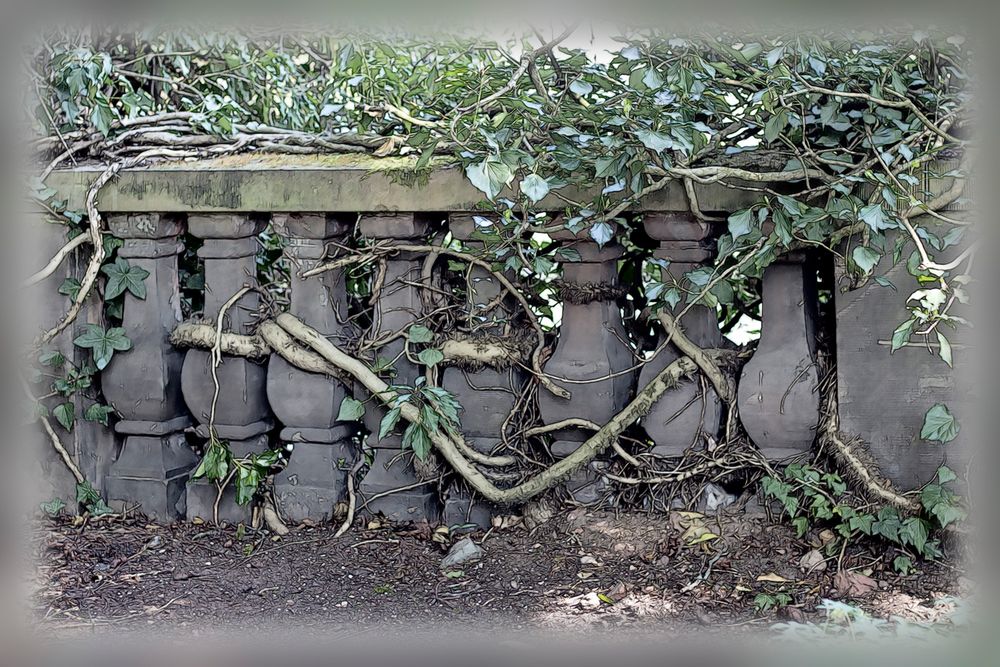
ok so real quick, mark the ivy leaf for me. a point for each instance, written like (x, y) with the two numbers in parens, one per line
(901, 336)
(875, 217)
(654, 141)
(945, 350)
(351, 410)
(601, 232)
(534, 187)
(123, 276)
(419, 334)
(491, 176)
(775, 125)
(388, 423)
(939, 424)
(430, 357)
(945, 475)
(98, 413)
(52, 358)
(914, 532)
(65, 414)
(103, 343)
(416, 438)
(739, 223)
(865, 258)
(70, 287)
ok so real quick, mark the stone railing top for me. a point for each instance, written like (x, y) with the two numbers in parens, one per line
(345, 183)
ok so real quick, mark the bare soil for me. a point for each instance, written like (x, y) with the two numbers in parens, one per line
(582, 571)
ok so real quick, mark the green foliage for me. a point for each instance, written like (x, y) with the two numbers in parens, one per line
(53, 507)
(219, 465)
(438, 410)
(350, 410)
(103, 342)
(91, 500)
(122, 276)
(811, 499)
(765, 602)
(939, 424)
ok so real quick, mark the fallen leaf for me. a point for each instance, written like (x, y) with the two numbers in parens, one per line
(772, 577)
(853, 584)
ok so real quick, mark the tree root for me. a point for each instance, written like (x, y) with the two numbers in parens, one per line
(637, 408)
(856, 462)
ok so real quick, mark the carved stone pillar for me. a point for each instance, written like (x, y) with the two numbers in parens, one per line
(307, 404)
(144, 383)
(398, 305)
(592, 344)
(487, 394)
(778, 396)
(678, 420)
(242, 415)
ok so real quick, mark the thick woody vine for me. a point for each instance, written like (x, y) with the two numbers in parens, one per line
(837, 134)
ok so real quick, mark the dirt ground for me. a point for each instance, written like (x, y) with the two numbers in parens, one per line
(580, 571)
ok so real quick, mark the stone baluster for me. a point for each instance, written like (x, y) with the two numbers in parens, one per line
(592, 344)
(397, 307)
(242, 416)
(682, 415)
(778, 396)
(305, 403)
(144, 383)
(487, 394)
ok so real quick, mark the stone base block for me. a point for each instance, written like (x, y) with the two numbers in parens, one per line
(202, 493)
(404, 506)
(151, 472)
(461, 510)
(314, 481)
(419, 503)
(586, 485)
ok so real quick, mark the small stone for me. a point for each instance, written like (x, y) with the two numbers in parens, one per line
(812, 562)
(461, 552)
(715, 497)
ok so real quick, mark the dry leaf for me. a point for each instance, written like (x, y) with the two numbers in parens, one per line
(853, 584)
(772, 577)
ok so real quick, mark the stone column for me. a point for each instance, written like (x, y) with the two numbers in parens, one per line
(397, 307)
(487, 394)
(144, 383)
(307, 404)
(591, 345)
(683, 414)
(242, 415)
(778, 396)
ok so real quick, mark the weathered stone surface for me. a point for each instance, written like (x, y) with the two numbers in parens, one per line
(778, 388)
(50, 477)
(590, 347)
(314, 480)
(883, 397)
(487, 395)
(307, 404)
(395, 310)
(684, 414)
(144, 383)
(152, 472)
(202, 494)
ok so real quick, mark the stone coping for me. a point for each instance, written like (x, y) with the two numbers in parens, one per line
(259, 182)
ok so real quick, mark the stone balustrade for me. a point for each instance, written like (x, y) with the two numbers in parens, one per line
(165, 399)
